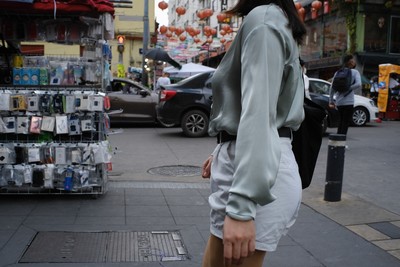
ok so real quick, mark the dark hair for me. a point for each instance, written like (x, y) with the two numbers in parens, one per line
(347, 58)
(243, 7)
(302, 63)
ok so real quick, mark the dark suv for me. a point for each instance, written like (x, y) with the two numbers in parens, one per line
(188, 104)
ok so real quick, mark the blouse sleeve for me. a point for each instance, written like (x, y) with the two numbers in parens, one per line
(257, 152)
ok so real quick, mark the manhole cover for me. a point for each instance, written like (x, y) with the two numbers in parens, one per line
(103, 247)
(176, 170)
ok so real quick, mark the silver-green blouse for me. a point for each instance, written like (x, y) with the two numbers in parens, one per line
(257, 88)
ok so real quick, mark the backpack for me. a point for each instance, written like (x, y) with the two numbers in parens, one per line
(342, 81)
(307, 140)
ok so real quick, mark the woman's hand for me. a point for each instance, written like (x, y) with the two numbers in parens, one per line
(239, 240)
(206, 171)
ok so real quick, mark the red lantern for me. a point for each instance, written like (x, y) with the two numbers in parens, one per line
(171, 28)
(327, 7)
(221, 17)
(180, 10)
(222, 32)
(316, 4)
(222, 40)
(163, 29)
(297, 5)
(163, 5)
(302, 13)
(188, 29)
(226, 27)
(168, 34)
(208, 13)
(314, 13)
(213, 31)
(209, 40)
(200, 14)
(196, 40)
(182, 37)
(179, 30)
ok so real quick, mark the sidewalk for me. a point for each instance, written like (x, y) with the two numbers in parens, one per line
(152, 220)
(180, 208)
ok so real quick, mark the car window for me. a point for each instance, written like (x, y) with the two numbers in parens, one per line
(195, 81)
(318, 87)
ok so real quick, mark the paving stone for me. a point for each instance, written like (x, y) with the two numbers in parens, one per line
(387, 228)
(367, 232)
(147, 211)
(186, 200)
(395, 253)
(392, 244)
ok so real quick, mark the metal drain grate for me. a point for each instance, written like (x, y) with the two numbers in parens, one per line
(176, 170)
(103, 247)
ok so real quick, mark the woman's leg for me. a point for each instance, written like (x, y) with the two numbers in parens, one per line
(214, 255)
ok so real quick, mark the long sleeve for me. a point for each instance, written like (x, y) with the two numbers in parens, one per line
(257, 88)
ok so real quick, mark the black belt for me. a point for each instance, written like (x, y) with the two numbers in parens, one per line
(226, 137)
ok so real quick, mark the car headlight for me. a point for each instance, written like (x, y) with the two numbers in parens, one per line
(372, 103)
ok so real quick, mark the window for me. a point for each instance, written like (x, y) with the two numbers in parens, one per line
(376, 29)
(395, 35)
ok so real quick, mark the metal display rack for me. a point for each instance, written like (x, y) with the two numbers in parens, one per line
(70, 154)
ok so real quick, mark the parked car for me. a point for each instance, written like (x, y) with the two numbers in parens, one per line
(188, 104)
(137, 102)
(365, 109)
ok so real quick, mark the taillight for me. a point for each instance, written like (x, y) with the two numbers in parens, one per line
(166, 95)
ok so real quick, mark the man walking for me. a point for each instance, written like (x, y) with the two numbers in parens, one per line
(344, 100)
(163, 80)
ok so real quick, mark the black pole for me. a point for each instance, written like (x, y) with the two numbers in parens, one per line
(334, 168)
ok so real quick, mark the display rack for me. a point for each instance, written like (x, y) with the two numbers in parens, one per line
(53, 120)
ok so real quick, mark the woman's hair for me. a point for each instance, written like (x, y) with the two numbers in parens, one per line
(243, 7)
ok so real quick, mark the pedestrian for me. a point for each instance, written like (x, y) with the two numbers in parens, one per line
(258, 95)
(344, 101)
(163, 80)
(374, 90)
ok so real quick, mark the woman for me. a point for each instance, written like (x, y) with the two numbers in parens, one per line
(258, 94)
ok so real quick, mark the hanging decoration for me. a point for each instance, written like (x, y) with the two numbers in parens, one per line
(222, 32)
(196, 40)
(200, 14)
(168, 34)
(171, 28)
(209, 40)
(302, 13)
(221, 17)
(163, 29)
(222, 40)
(327, 7)
(315, 6)
(182, 37)
(180, 10)
(163, 5)
(208, 12)
(298, 5)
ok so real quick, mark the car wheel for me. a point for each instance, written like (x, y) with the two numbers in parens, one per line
(166, 125)
(195, 123)
(360, 116)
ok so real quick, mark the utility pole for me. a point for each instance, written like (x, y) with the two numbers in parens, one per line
(146, 35)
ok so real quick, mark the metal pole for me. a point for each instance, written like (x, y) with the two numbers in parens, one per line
(146, 35)
(334, 169)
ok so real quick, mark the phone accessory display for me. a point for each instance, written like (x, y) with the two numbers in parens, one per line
(45, 103)
(48, 123)
(18, 102)
(76, 155)
(32, 103)
(96, 103)
(7, 154)
(35, 126)
(82, 102)
(23, 125)
(74, 125)
(38, 176)
(58, 103)
(49, 176)
(5, 101)
(62, 124)
(20, 154)
(34, 154)
(87, 123)
(69, 104)
(68, 182)
(9, 124)
(60, 155)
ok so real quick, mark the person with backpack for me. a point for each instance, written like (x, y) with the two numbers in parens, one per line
(345, 83)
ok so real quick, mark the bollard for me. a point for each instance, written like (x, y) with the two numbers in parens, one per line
(334, 168)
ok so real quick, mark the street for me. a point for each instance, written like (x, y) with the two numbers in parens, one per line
(371, 169)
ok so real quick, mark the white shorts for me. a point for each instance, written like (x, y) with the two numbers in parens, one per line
(272, 220)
